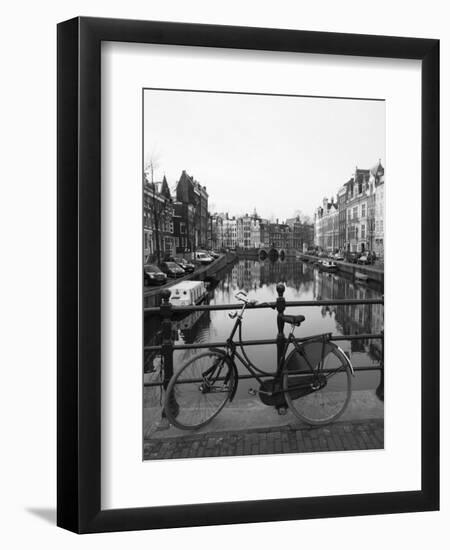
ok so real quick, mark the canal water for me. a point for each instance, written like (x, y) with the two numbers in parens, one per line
(303, 281)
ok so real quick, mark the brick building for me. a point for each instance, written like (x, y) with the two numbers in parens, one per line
(158, 211)
(190, 192)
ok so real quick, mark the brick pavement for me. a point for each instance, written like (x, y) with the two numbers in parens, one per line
(340, 436)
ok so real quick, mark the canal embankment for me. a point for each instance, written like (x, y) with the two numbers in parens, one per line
(210, 272)
(374, 273)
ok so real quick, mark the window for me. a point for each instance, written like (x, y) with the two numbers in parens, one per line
(363, 231)
(363, 210)
(355, 212)
(182, 228)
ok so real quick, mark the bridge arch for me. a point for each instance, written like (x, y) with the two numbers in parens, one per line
(273, 254)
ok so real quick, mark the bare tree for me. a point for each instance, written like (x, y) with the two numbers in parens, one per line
(157, 206)
(304, 218)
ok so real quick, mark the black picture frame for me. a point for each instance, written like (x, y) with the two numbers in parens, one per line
(79, 282)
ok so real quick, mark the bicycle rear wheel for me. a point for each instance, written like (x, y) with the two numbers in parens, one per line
(199, 390)
(317, 382)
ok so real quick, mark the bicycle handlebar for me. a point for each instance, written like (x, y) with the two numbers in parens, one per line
(242, 297)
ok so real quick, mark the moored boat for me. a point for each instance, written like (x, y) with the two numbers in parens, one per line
(188, 293)
(328, 265)
(361, 276)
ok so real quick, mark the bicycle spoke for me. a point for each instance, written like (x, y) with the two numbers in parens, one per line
(329, 388)
(200, 390)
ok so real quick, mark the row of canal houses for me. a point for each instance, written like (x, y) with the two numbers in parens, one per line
(178, 222)
(354, 222)
(252, 231)
(174, 222)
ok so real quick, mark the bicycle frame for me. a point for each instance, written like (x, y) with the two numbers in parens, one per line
(257, 373)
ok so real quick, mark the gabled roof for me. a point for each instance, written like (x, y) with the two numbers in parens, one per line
(188, 189)
(162, 187)
(159, 187)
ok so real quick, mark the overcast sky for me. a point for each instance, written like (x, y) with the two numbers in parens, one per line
(276, 154)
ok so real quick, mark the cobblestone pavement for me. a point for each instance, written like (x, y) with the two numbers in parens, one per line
(340, 436)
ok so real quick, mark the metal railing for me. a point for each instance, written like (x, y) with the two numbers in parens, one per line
(167, 347)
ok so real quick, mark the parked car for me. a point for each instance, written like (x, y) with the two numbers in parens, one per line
(367, 258)
(207, 252)
(203, 258)
(213, 254)
(153, 275)
(183, 263)
(339, 257)
(323, 255)
(362, 260)
(171, 269)
(352, 257)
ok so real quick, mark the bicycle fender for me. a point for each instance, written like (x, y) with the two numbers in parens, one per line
(349, 363)
(236, 378)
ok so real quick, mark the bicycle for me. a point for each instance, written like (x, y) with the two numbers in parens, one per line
(314, 381)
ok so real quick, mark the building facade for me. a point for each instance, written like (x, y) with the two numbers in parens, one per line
(358, 194)
(243, 231)
(355, 223)
(342, 217)
(229, 232)
(377, 175)
(190, 192)
(215, 237)
(301, 234)
(158, 211)
(326, 226)
(183, 223)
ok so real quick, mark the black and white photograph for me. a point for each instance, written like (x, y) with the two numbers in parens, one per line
(263, 275)
(227, 330)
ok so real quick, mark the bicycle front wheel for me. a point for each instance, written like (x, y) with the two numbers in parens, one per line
(317, 382)
(199, 390)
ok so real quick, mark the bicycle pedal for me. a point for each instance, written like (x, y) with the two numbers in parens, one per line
(251, 391)
(282, 411)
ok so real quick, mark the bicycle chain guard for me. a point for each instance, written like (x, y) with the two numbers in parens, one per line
(271, 393)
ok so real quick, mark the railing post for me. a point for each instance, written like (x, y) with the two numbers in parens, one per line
(167, 342)
(380, 389)
(281, 306)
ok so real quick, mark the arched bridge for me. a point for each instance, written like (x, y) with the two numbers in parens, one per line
(272, 253)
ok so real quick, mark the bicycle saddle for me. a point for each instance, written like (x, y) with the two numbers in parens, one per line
(296, 320)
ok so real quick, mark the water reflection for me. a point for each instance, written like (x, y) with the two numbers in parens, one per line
(303, 282)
